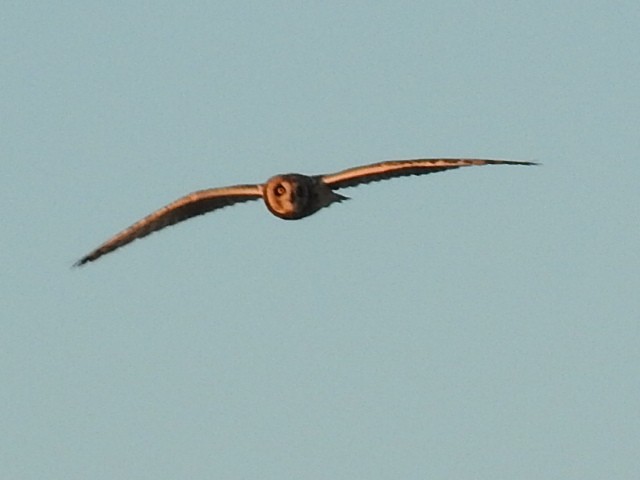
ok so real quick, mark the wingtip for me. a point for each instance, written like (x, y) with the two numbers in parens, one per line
(79, 263)
(519, 162)
(84, 260)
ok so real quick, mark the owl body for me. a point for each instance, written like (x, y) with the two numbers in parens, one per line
(290, 196)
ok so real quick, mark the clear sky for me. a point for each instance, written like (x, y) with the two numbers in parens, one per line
(481, 323)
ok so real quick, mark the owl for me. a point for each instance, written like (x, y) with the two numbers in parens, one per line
(290, 196)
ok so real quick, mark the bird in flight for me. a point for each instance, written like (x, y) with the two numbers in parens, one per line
(289, 196)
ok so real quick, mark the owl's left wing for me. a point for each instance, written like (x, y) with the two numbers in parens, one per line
(196, 203)
(400, 168)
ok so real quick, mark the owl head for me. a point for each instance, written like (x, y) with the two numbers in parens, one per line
(288, 196)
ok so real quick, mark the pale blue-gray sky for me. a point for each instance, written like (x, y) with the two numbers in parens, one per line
(482, 323)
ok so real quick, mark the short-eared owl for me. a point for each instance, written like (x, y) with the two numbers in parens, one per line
(290, 196)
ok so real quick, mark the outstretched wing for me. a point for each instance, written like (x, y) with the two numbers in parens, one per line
(196, 203)
(400, 168)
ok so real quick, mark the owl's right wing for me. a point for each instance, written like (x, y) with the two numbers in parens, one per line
(196, 203)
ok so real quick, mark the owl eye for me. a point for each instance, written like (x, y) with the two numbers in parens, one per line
(279, 190)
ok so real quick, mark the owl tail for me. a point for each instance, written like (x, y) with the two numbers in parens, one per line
(339, 198)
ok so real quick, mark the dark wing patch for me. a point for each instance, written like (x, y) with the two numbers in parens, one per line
(400, 168)
(194, 204)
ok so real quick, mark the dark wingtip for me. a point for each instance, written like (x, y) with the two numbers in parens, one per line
(86, 259)
(515, 162)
